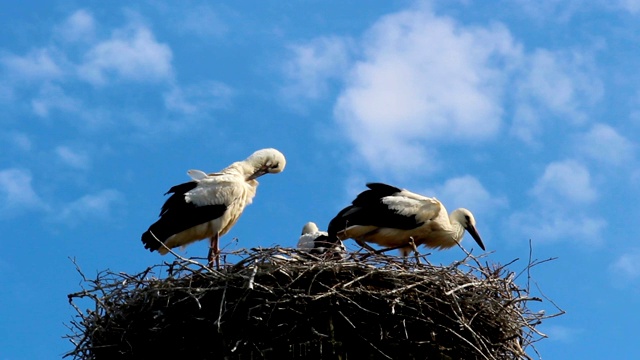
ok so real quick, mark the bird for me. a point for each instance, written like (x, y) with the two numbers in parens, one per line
(317, 242)
(398, 218)
(210, 204)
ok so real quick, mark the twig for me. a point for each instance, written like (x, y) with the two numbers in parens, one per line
(281, 297)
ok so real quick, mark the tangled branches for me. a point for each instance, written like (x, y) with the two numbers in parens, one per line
(280, 303)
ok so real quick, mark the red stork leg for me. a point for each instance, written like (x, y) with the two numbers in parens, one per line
(412, 243)
(214, 252)
(365, 245)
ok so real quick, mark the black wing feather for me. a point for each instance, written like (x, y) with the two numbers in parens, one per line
(177, 215)
(368, 210)
(176, 200)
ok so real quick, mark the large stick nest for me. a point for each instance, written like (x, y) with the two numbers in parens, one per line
(280, 303)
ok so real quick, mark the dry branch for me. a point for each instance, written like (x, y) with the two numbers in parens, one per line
(281, 304)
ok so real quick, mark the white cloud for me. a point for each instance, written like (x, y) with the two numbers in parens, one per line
(38, 65)
(201, 97)
(79, 26)
(131, 54)
(526, 124)
(553, 84)
(53, 97)
(424, 79)
(73, 158)
(202, 20)
(632, 6)
(560, 81)
(544, 224)
(628, 265)
(91, 206)
(558, 209)
(313, 64)
(559, 10)
(565, 181)
(17, 141)
(468, 192)
(604, 144)
(562, 333)
(17, 193)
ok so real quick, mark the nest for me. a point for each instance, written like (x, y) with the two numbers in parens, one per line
(282, 304)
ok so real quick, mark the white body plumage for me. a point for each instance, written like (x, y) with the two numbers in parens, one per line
(227, 187)
(393, 217)
(210, 204)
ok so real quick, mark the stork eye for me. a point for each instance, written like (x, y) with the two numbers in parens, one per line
(275, 166)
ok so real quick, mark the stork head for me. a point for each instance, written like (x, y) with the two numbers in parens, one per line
(468, 222)
(310, 228)
(266, 161)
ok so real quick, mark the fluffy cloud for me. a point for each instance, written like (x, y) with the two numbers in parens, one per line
(559, 207)
(16, 141)
(90, 206)
(550, 225)
(562, 333)
(313, 64)
(38, 65)
(468, 192)
(628, 265)
(53, 97)
(526, 124)
(559, 10)
(17, 193)
(632, 6)
(198, 97)
(605, 145)
(423, 79)
(201, 20)
(131, 54)
(73, 158)
(555, 84)
(79, 26)
(565, 180)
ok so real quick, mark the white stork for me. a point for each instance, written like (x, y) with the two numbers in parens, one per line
(397, 218)
(210, 204)
(316, 242)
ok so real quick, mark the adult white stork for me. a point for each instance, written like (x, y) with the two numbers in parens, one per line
(210, 204)
(317, 242)
(397, 218)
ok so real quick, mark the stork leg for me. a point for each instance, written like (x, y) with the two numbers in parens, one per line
(415, 249)
(370, 250)
(365, 245)
(214, 252)
(381, 251)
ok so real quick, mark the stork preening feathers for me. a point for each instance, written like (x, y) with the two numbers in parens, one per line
(396, 218)
(210, 204)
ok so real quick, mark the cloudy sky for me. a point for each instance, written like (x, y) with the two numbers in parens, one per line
(527, 113)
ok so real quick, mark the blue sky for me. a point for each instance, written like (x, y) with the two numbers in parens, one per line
(527, 113)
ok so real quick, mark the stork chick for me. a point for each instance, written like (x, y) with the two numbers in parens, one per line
(317, 242)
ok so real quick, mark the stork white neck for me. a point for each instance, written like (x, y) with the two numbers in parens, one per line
(457, 221)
